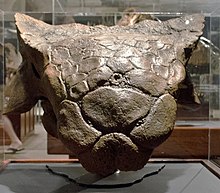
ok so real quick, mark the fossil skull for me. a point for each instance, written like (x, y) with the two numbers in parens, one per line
(106, 91)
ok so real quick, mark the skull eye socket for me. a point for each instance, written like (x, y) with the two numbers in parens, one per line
(35, 71)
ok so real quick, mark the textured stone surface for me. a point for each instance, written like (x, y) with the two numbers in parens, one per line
(106, 91)
(115, 109)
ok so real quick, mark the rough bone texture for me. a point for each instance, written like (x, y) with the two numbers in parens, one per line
(106, 91)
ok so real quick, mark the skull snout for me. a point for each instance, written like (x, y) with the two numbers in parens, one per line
(115, 108)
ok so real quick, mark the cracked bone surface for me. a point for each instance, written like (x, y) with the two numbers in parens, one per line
(106, 91)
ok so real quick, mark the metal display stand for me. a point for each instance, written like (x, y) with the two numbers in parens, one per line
(176, 176)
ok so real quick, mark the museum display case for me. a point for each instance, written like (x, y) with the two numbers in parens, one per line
(197, 117)
(215, 79)
(1, 77)
(195, 139)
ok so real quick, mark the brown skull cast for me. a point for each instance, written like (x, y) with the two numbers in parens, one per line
(106, 91)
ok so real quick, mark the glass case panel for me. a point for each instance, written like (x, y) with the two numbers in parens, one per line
(215, 82)
(27, 126)
(195, 115)
(114, 6)
(1, 82)
(215, 64)
(26, 6)
(195, 118)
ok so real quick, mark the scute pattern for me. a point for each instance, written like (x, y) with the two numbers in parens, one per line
(122, 54)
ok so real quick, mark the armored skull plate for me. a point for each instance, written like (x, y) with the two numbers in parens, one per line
(106, 91)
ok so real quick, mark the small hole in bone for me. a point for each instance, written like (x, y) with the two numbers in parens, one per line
(117, 76)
